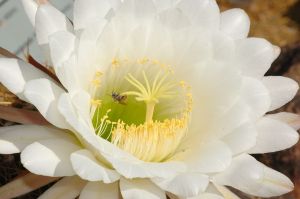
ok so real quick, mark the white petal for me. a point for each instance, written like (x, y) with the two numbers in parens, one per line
(15, 73)
(99, 190)
(282, 90)
(174, 19)
(50, 157)
(235, 23)
(252, 177)
(67, 188)
(49, 20)
(44, 94)
(14, 139)
(204, 13)
(255, 56)
(61, 47)
(92, 169)
(293, 120)
(215, 156)
(140, 188)
(273, 135)
(207, 196)
(241, 139)
(185, 185)
(87, 12)
(256, 96)
(30, 7)
(223, 46)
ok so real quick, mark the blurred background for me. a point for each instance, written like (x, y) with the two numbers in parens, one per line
(276, 20)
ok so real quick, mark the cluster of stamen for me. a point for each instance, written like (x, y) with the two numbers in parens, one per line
(154, 140)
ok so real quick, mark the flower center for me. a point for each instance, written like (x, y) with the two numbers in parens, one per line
(141, 107)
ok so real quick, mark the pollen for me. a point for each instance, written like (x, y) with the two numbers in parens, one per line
(152, 141)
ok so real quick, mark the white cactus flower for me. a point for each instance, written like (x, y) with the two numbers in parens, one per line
(156, 98)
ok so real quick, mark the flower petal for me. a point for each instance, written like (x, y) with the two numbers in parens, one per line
(252, 177)
(273, 135)
(204, 13)
(207, 196)
(235, 23)
(92, 170)
(49, 20)
(214, 156)
(255, 56)
(87, 12)
(99, 190)
(14, 139)
(282, 90)
(241, 139)
(293, 120)
(61, 45)
(50, 157)
(185, 185)
(30, 7)
(15, 73)
(256, 96)
(67, 188)
(140, 188)
(43, 94)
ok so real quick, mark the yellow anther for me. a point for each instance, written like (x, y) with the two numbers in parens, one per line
(96, 102)
(99, 74)
(143, 61)
(156, 62)
(96, 82)
(182, 84)
(115, 62)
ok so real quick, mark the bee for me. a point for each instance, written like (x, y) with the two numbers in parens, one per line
(117, 97)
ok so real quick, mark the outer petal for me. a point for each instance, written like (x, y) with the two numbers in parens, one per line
(87, 12)
(185, 185)
(61, 47)
(14, 139)
(43, 94)
(15, 73)
(235, 23)
(241, 139)
(68, 187)
(282, 90)
(140, 188)
(255, 56)
(252, 177)
(99, 190)
(49, 20)
(206, 158)
(204, 13)
(207, 196)
(256, 96)
(30, 7)
(92, 170)
(293, 120)
(50, 157)
(273, 135)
